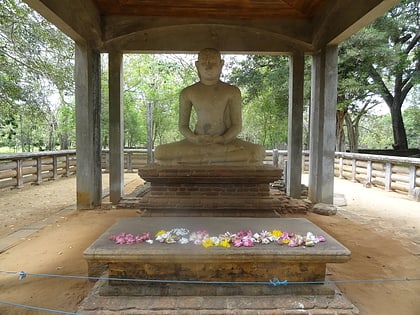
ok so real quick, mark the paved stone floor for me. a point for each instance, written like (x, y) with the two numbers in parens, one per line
(94, 304)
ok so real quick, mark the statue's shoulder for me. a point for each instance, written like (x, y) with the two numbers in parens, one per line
(191, 87)
(232, 89)
(185, 92)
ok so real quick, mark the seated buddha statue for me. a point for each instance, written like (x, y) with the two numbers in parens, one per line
(218, 108)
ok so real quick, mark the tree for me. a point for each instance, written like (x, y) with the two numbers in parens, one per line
(384, 60)
(411, 117)
(376, 131)
(264, 84)
(36, 62)
(157, 80)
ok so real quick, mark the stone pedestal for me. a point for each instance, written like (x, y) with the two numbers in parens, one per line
(197, 189)
(166, 264)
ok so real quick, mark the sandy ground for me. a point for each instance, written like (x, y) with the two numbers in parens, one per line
(381, 229)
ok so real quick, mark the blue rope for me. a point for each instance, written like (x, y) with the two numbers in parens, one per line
(273, 282)
(38, 308)
(22, 275)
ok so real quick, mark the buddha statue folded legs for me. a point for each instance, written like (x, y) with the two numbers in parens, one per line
(236, 152)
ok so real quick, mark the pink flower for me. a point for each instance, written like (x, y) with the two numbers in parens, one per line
(293, 243)
(242, 234)
(130, 239)
(321, 238)
(248, 242)
(237, 242)
(140, 238)
(120, 238)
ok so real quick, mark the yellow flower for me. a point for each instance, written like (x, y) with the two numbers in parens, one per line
(286, 241)
(207, 242)
(160, 232)
(224, 243)
(276, 233)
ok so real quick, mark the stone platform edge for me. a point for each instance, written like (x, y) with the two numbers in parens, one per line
(214, 173)
(336, 304)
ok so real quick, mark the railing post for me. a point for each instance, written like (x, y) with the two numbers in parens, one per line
(275, 157)
(411, 179)
(369, 173)
(353, 170)
(107, 161)
(54, 157)
(67, 165)
(39, 170)
(388, 175)
(130, 162)
(19, 173)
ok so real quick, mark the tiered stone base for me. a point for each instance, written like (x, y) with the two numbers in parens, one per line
(177, 262)
(336, 304)
(165, 264)
(222, 190)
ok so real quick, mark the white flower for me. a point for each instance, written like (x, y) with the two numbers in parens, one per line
(180, 231)
(215, 240)
(265, 241)
(183, 240)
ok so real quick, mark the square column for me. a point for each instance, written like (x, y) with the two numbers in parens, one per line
(295, 126)
(116, 128)
(322, 125)
(88, 127)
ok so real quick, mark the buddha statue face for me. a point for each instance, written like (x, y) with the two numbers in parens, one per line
(209, 65)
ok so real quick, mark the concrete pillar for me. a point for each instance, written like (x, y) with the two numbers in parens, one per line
(116, 128)
(88, 128)
(322, 125)
(295, 126)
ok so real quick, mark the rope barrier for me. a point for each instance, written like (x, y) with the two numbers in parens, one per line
(275, 282)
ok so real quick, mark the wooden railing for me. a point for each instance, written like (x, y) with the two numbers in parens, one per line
(133, 159)
(389, 172)
(16, 170)
(392, 173)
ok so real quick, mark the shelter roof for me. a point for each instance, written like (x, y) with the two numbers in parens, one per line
(252, 26)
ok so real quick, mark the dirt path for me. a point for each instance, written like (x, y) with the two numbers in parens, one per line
(382, 231)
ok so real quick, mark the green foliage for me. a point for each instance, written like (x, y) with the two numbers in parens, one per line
(412, 125)
(264, 84)
(375, 132)
(154, 79)
(36, 85)
(36, 62)
(381, 61)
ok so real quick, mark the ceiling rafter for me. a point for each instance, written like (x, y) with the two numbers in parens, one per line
(234, 9)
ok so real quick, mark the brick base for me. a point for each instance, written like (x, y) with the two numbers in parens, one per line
(218, 189)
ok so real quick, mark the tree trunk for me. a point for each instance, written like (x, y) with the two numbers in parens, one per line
(64, 141)
(339, 130)
(398, 129)
(351, 134)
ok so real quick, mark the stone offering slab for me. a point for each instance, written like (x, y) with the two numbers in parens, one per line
(189, 262)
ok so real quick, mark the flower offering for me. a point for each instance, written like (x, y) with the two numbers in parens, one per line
(244, 238)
